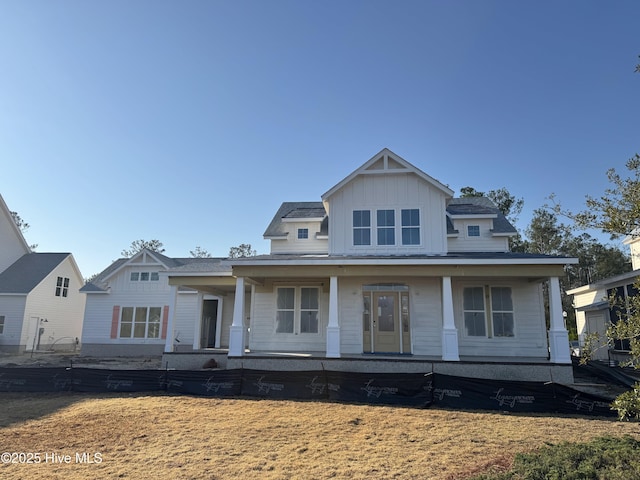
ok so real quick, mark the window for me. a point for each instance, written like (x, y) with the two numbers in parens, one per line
(140, 322)
(474, 319)
(62, 287)
(410, 226)
(475, 312)
(361, 227)
(144, 276)
(297, 310)
(502, 311)
(386, 227)
(285, 310)
(1, 324)
(473, 230)
(303, 233)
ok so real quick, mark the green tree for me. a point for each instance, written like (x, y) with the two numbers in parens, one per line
(199, 252)
(139, 245)
(508, 204)
(242, 251)
(23, 226)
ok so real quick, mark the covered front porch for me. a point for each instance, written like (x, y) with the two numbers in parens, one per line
(428, 314)
(495, 368)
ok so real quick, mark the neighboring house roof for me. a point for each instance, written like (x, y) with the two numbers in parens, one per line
(28, 271)
(296, 210)
(481, 206)
(604, 283)
(393, 163)
(99, 283)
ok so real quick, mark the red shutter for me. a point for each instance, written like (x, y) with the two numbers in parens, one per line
(115, 318)
(165, 321)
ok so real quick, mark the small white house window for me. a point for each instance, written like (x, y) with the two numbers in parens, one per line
(140, 322)
(62, 287)
(297, 310)
(303, 233)
(410, 226)
(386, 227)
(473, 230)
(1, 324)
(362, 227)
(473, 305)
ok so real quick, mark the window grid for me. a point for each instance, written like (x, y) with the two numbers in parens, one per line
(62, 287)
(297, 310)
(386, 223)
(303, 233)
(361, 227)
(410, 219)
(140, 322)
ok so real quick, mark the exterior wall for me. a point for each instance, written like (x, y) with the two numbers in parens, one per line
(96, 333)
(12, 307)
(486, 242)
(581, 300)
(63, 315)
(12, 246)
(262, 334)
(388, 191)
(634, 247)
(295, 245)
(530, 336)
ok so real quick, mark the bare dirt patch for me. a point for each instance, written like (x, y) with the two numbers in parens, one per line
(181, 437)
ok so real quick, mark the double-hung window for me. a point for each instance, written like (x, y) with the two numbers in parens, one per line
(297, 310)
(362, 227)
(386, 227)
(62, 287)
(498, 307)
(410, 226)
(140, 322)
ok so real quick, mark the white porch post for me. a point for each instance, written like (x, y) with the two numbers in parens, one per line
(558, 335)
(171, 324)
(449, 330)
(197, 328)
(333, 328)
(236, 331)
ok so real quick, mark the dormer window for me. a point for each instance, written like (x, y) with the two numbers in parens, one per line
(303, 233)
(473, 230)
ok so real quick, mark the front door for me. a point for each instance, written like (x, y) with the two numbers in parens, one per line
(209, 323)
(383, 332)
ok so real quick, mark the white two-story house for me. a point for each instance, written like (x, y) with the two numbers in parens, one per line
(389, 267)
(40, 307)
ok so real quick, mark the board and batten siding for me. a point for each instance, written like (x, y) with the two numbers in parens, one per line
(390, 191)
(530, 336)
(64, 315)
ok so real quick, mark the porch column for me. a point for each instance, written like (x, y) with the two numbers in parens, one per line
(558, 335)
(171, 324)
(236, 331)
(333, 328)
(449, 330)
(197, 329)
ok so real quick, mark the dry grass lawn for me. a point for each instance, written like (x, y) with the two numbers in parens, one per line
(181, 437)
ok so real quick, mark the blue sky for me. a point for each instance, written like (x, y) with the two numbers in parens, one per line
(190, 122)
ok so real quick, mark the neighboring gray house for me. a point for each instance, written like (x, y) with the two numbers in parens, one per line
(40, 306)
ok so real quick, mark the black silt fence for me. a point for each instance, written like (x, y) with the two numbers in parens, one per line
(405, 389)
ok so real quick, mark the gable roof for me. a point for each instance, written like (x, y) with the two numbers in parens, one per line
(28, 271)
(386, 161)
(99, 284)
(296, 210)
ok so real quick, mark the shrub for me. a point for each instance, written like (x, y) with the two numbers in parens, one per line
(627, 404)
(603, 458)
